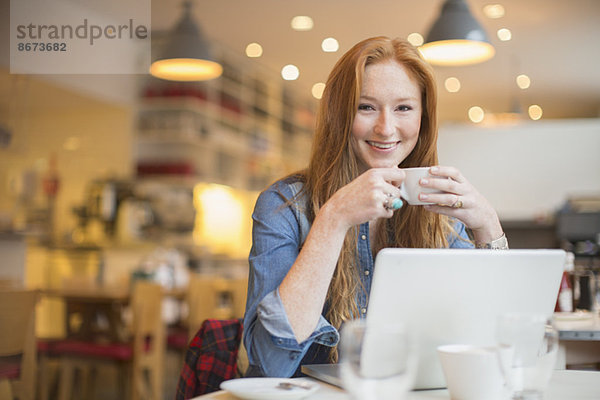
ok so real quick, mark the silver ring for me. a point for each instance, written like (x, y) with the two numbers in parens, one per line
(386, 203)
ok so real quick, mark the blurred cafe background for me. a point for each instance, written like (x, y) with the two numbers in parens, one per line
(106, 180)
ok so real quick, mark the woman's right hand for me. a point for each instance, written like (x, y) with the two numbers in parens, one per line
(359, 201)
(364, 199)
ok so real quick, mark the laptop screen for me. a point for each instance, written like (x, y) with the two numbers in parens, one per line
(454, 296)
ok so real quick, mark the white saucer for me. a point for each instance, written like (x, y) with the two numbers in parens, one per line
(267, 388)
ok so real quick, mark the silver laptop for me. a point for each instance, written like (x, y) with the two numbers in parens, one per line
(455, 296)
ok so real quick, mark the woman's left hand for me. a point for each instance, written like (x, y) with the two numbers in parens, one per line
(461, 200)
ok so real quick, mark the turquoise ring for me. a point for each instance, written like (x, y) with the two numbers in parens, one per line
(397, 203)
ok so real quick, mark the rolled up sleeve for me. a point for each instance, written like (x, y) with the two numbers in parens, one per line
(268, 336)
(274, 345)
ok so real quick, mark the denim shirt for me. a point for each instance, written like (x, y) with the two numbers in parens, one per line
(278, 233)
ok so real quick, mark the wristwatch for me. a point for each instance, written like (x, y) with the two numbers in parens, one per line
(497, 244)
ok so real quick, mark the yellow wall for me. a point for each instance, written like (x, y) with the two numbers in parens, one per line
(90, 139)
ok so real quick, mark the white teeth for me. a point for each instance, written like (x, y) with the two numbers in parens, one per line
(382, 145)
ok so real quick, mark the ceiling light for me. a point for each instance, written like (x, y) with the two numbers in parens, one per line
(317, 90)
(302, 23)
(254, 50)
(535, 112)
(523, 81)
(290, 72)
(456, 38)
(476, 114)
(452, 84)
(493, 11)
(330, 45)
(415, 38)
(504, 34)
(186, 55)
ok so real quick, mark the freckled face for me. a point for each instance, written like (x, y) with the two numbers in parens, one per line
(387, 121)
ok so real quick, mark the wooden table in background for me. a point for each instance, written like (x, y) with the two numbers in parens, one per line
(98, 311)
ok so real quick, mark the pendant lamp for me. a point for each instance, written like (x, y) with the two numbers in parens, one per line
(456, 38)
(186, 56)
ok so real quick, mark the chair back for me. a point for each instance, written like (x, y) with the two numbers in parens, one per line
(148, 328)
(202, 298)
(17, 344)
(149, 341)
(205, 299)
(146, 305)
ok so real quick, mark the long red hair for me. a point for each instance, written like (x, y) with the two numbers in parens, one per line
(333, 164)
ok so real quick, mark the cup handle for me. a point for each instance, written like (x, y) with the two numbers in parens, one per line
(403, 193)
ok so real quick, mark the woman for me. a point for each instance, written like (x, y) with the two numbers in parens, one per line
(316, 232)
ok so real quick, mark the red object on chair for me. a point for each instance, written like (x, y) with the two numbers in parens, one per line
(10, 369)
(111, 351)
(211, 358)
(177, 338)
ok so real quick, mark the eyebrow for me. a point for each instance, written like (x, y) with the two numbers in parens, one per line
(400, 99)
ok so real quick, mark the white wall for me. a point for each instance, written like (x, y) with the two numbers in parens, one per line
(526, 170)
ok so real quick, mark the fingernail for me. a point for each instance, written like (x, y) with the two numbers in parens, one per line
(434, 169)
(423, 196)
(424, 181)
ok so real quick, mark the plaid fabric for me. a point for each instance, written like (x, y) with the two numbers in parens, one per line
(211, 358)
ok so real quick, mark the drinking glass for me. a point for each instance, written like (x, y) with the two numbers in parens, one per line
(377, 361)
(527, 348)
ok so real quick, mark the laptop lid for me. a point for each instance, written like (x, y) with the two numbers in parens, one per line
(329, 373)
(454, 296)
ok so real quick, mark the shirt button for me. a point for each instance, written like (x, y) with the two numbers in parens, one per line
(367, 272)
(364, 237)
(364, 310)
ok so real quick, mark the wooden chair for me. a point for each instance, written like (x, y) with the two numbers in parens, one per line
(212, 297)
(142, 356)
(201, 300)
(208, 297)
(205, 301)
(17, 343)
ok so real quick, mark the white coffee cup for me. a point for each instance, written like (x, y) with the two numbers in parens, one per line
(472, 372)
(410, 188)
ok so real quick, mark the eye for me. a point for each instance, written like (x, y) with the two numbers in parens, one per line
(365, 107)
(404, 108)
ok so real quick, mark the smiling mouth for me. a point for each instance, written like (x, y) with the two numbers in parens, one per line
(383, 146)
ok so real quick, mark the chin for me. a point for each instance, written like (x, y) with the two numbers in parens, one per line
(388, 163)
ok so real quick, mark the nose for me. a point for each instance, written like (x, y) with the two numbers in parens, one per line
(384, 124)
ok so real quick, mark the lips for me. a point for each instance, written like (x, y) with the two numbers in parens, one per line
(382, 145)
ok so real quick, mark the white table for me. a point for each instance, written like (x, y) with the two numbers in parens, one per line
(565, 385)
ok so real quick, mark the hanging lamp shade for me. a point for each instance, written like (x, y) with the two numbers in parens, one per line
(456, 38)
(186, 56)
